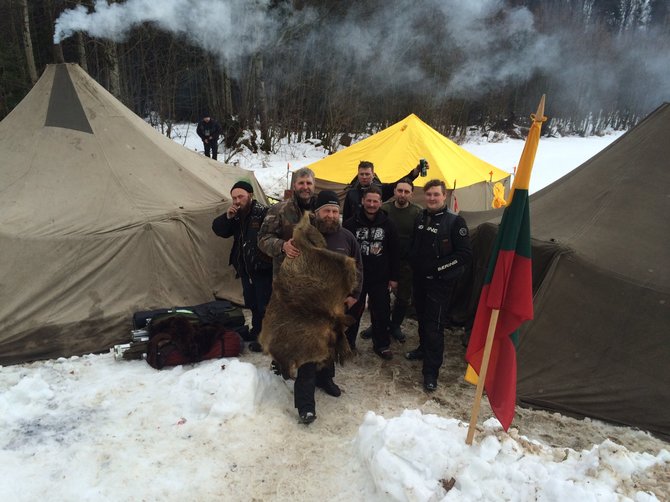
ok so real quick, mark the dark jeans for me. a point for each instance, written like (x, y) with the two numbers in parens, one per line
(380, 311)
(211, 146)
(432, 299)
(305, 384)
(256, 291)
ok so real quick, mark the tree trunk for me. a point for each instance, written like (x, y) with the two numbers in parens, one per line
(81, 51)
(213, 98)
(27, 42)
(262, 103)
(113, 72)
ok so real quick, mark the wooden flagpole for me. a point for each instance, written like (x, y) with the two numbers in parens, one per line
(482, 375)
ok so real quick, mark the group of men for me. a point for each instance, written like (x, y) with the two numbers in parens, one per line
(416, 254)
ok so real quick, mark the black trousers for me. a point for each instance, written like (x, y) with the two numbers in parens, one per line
(211, 147)
(256, 291)
(379, 304)
(432, 299)
(305, 384)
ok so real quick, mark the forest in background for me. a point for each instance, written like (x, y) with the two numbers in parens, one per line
(314, 69)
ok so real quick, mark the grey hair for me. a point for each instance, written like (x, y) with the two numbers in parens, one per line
(303, 172)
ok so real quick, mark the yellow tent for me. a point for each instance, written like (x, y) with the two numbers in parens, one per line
(398, 148)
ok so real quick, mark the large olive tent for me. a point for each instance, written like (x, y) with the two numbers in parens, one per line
(398, 148)
(100, 216)
(599, 345)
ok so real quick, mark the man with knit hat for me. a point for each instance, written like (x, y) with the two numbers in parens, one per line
(339, 240)
(242, 221)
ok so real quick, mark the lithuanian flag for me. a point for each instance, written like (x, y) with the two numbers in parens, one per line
(508, 288)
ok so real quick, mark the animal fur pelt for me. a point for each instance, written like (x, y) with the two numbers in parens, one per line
(305, 320)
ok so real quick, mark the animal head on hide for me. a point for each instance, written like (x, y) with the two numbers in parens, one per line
(306, 236)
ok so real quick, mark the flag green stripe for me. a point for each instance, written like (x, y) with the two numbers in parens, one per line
(513, 231)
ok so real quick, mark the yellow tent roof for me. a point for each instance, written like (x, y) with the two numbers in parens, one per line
(398, 148)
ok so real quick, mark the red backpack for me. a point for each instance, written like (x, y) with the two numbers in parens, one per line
(176, 339)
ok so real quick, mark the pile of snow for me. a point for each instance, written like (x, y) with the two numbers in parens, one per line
(92, 428)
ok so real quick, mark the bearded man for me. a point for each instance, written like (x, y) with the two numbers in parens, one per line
(306, 318)
(242, 221)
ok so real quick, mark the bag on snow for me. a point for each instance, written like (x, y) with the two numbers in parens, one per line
(176, 339)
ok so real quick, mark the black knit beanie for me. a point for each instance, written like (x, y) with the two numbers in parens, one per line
(244, 185)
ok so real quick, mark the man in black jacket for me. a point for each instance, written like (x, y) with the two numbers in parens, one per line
(439, 254)
(209, 131)
(365, 179)
(378, 239)
(242, 221)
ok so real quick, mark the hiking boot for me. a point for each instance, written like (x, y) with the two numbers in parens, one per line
(429, 383)
(330, 387)
(397, 334)
(366, 334)
(414, 355)
(307, 417)
(255, 347)
(385, 354)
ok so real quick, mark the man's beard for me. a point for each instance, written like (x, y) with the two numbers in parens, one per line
(327, 226)
(242, 211)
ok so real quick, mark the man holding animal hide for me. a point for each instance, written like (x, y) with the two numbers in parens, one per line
(242, 221)
(306, 319)
(275, 236)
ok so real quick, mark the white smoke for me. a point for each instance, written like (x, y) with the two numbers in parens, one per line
(441, 48)
(223, 28)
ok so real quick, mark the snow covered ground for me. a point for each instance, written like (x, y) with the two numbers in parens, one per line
(91, 428)
(555, 157)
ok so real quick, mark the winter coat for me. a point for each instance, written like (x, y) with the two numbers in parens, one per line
(208, 129)
(440, 246)
(245, 256)
(278, 227)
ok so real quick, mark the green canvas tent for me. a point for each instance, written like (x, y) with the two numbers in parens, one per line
(100, 216)
(598, 346)
(398, 148)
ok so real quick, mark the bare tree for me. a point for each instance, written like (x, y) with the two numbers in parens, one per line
(27, 42)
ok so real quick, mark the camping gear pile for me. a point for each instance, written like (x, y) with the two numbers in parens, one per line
(184, 335)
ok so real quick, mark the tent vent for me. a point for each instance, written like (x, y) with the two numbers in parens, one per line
(65, 109)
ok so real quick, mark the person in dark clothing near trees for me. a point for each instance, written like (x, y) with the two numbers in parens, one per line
(209, 131)
(378, 239)
(242, 221)
(439, 254)
(364, 180)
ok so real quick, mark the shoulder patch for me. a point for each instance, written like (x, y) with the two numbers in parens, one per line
(463, 231)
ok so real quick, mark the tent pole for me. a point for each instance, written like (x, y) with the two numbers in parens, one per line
(481, 378)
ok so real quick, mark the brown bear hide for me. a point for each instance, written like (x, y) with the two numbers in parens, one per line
(305, 320)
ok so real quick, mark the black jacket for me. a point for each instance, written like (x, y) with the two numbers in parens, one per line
(208, 129)
(440, 245)
(245, 256)
(354, 197)
(378, 240)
